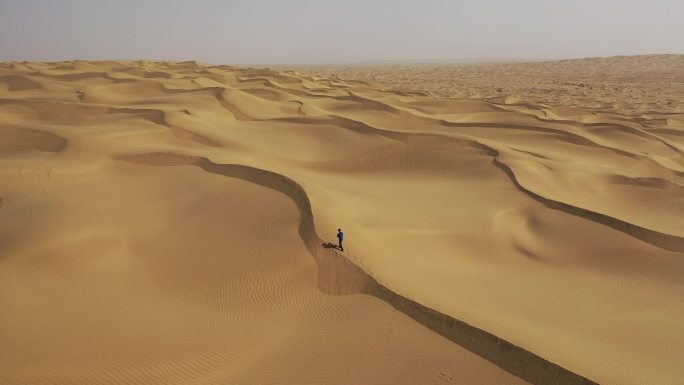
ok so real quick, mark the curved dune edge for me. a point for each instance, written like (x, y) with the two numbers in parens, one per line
(610, 259)
(653, 237)
(339, 276)
(656, 238)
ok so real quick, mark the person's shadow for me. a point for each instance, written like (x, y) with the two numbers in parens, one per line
(329, 245)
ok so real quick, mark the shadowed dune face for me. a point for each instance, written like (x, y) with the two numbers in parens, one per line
(18, 83)
(192, 290)
(17, 140)
(168, 223)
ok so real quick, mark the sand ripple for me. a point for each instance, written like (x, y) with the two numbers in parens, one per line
(537, 237)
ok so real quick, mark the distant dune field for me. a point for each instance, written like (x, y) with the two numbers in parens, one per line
(647, 87)
(169, 223)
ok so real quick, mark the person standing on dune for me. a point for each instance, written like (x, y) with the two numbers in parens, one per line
(340, 237)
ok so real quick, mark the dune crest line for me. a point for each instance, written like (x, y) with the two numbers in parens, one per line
(554, 226)
(656, 238)
(653, 237)
(337, 275)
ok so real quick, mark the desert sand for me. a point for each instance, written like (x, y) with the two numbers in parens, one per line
(645, 87)
(166, 223)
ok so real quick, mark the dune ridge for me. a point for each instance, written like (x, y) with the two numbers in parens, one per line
(642, 86)
(537, 237)
(339, 276)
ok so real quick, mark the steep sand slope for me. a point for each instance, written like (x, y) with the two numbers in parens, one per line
(123, 274)
(134, 248)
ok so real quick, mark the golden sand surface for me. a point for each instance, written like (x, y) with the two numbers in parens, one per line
(646, 87)
(166, 223)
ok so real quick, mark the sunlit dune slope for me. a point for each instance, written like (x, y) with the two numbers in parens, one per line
(646, 87)
(163, 223)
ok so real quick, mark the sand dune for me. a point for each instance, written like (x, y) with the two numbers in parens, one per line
(647, 87)
(169, 224)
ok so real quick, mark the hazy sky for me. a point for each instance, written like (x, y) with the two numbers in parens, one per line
(345, 31)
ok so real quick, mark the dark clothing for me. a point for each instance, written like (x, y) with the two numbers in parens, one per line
(340, 237)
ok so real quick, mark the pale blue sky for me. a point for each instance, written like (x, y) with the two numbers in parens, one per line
(335, 32)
